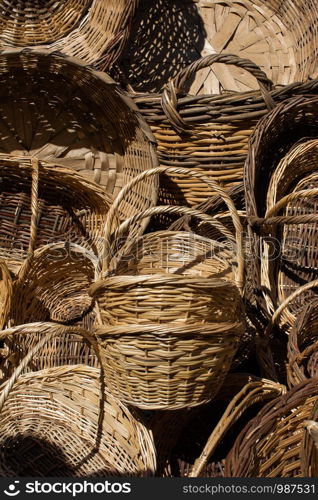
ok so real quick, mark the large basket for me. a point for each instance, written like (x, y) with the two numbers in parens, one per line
(93, 30)
(271, 445)
(62, 422)
(281, 37)
(167, 296)
(281, 203)
(75, 117)
(208, 133)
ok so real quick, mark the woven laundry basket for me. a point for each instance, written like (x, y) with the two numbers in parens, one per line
(281, 203)
(174, 303)
(41, 203)
(195, 442)
(69, 345)
(281, 37)
(93, 30)
(56, 108)
(271, 444)
(303, 345)
(62, 422)
(208, 133)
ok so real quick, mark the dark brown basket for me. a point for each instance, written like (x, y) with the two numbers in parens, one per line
(93, 30)
(271, 445)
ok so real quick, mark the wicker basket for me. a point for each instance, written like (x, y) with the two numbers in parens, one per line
(175, 308)
(42, 203)
(309, 449)
(303, 346)
(208, 133)
(93, 30)
(279, 174)
(281, 37)
(6, 293)
(75, 117)
(271, 444)
(196, 442)
(69, 345)
(62, 422)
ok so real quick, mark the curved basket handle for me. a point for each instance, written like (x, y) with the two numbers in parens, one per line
(29, 328)
(271, 219)
(175, 86)
(252, 392)
(34, 220)
(176, 170)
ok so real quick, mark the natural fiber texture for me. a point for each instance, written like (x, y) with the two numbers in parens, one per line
(69, 345)
(6, 293)
(273, 183)
(309, 450)
(303, 345)
(271, 444)
(43, 203)
(93, 30)
(281, 37)
(196, 442)
(168, 366)
(74, 117)
(209, 133)
(62, 422)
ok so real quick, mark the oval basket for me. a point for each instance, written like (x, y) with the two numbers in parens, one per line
(62, 422)
(271, 444)
(209, 133)
(55, 108)
(280, 37)
(93, 30)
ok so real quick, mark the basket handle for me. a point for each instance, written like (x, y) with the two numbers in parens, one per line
(253, 392)
(175, 86)
(176, 170)
(270, 218)
(34, 220)
(41, 327)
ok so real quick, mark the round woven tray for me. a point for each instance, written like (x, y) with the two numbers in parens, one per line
(93, 30)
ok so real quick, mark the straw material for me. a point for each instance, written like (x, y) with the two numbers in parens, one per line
(68, 345)
(303, 345)
(309, 450)
(61, 422)
(279, 36)
(75, 117)
(286, 242)
(93, 30)
(271, 444)
(208, 133)
(6, 293)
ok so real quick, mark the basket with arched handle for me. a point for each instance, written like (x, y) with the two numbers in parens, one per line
(63, 422)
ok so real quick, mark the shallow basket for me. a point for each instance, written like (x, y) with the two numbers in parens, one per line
(75, 117)
(62, 422)
(281, 37)
(93, 30)
(271, 444)
(209, 133)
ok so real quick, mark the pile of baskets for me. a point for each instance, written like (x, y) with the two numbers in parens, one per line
(158, 238)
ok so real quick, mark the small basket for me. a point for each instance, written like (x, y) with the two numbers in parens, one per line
(175, 307)
(271, 444)
(62, 422)
(93, 30)
(76, 117)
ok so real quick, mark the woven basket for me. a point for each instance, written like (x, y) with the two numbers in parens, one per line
(69, 345)
(303, 345)
(279, 174)
(75, 117)
(41, 203)
(309, 450)
(175, 309)
(6, 293)
(62, 422)
(93, 30)
(271, 444)
(195, 442)
(281, 37)
(208, 133)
